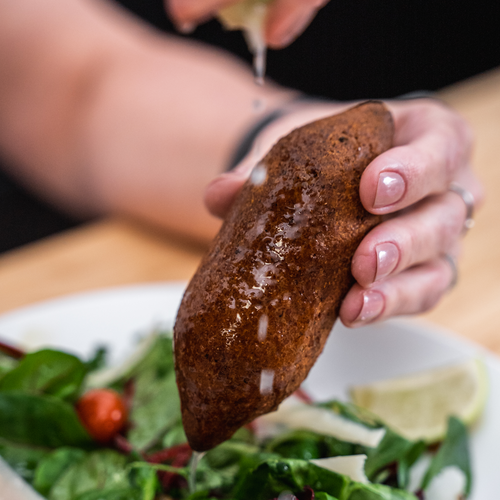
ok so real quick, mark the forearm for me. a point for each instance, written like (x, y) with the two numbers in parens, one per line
(109, 117)
(49, 70)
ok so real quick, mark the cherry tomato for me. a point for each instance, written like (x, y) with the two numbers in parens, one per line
(103, 413)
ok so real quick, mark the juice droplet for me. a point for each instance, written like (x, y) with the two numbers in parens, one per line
(262, 332)
(259, 105)
(193, 465)
(258, 175)
(249, 16)
(266, 382)
(259, 62)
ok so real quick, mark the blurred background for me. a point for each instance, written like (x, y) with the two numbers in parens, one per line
(376, 49)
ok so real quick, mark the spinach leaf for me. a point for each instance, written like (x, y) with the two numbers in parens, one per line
(111, 494)
(53, 465)
(203, 495)
(307, 445)
(453, 451)
(23, 459)
(220, 467)
(46, 372)
(273, 476)
(40, 421)
(99, 470)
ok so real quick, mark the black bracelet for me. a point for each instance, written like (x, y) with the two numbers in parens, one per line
(246, 143)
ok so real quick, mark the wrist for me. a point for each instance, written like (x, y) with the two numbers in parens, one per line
(273, 125)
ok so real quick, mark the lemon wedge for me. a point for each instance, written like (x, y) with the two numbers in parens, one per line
(418, 406)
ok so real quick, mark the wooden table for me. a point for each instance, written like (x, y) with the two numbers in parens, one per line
(117, 252)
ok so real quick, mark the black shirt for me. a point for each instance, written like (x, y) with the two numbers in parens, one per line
(352, 50)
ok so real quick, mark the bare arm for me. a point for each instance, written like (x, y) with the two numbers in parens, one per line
(101, 115)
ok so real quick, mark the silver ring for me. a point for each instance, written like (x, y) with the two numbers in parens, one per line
(454, 270)
(468, 199)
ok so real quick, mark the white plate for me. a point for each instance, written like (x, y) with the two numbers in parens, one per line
(116, 317)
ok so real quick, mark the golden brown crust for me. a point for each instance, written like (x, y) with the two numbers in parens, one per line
(257, 313)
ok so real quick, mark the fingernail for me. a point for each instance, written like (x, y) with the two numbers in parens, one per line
(373, 305)
(390, 189)
(387, 259)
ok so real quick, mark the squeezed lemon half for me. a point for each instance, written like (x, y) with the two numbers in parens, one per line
(249, 16)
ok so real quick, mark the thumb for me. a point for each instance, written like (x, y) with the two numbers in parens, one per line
(223, 190)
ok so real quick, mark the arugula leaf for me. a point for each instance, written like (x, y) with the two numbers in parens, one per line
(321, 495)
(98, 360)
(353, 413)
(453, 451)
(174, 436)
(40, 421)
(358, 491)
(46, 372)
(393, 449)
(156, 408)
(159, 358)
(99, 470)
(53, 465)
(409, 459)
(23, 459)
(146, 480)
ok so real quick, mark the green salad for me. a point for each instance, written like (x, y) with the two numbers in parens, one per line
(75, 430)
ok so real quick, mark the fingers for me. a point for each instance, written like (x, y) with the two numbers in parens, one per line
(415, 290)
(287, 19)
(429, 230)
(187, 13)
(403, 266)
(432, 147)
